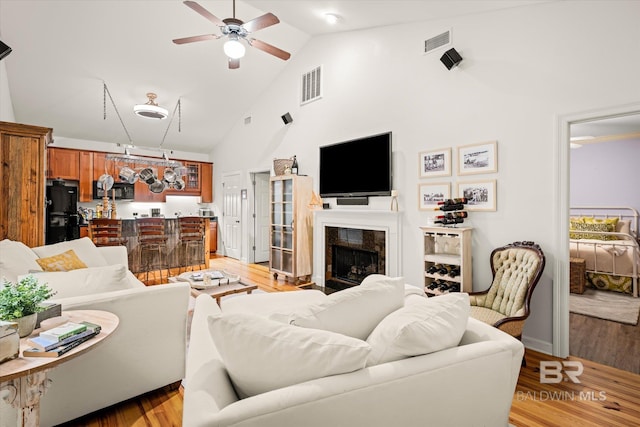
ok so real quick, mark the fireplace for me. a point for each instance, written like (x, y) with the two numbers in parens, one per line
(363, 231)
(353, 265)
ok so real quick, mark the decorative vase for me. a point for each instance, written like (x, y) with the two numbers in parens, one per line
(26, 324)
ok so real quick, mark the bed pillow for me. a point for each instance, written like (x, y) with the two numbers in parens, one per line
(354, 312)
(591, 220)
(65, 261)
(425, 326)
(86, 281)
(624, 226)
(16, 258)
(594, 226)
(84, 248)
(262, 355)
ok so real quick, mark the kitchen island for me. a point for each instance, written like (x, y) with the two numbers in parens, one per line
(175, 257)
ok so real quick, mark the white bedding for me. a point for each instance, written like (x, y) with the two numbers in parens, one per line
(610, 256)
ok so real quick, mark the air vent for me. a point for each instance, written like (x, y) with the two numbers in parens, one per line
(438, 41)
(311, 86)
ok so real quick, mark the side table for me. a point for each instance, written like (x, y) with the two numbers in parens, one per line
(24, 380)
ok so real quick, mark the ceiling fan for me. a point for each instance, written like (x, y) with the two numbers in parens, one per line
(236, 30)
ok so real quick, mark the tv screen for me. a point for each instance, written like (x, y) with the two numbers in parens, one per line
(361, 167)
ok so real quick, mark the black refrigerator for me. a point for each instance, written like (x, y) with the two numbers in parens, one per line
(62, 213)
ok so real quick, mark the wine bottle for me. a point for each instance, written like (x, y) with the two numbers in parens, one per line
(449, 221)
(433, 268)
(454, 207)
(456, 201)
(294, 166)
(453, 215)
(454, 271)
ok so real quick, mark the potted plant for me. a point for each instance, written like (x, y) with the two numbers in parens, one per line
(20, 302)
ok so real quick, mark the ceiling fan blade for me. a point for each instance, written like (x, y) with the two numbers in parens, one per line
(266, 47)
(264, 21)
(196, 38)
(234, 64)
(204, 12)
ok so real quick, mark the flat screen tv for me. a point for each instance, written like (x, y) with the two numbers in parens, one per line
(357, 168)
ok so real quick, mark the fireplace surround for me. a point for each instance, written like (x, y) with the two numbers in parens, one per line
(356, 223)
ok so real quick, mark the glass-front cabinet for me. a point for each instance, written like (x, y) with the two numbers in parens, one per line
(290, 240)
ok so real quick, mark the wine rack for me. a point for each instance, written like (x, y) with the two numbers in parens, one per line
(447, 249)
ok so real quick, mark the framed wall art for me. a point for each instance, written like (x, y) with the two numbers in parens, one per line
(430, 194)
(435, 163)
(480, 195)
(478, 158)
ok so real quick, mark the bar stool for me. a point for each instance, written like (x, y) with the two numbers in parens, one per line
(191, 241)
(152, 246)
(106, 232)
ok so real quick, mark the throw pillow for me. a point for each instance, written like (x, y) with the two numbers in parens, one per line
(86, 281)
(16, 258)
(425, 326)
(84, 248)
(262, 355)
(354, 312)
(593, 226)
(65, 261)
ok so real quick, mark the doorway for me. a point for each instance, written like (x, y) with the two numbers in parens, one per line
(586, 336)
(260, 216)
(232, 215)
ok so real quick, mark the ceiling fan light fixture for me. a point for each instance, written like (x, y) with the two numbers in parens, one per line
(233, 48)
(151, 110)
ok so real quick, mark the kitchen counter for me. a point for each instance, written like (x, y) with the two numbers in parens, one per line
(174, 257)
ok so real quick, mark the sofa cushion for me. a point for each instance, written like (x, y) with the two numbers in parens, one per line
(65, 261)
(354, 312)
(262, 354)
(84, 248)
(425, 326)
(16, 258)
(86, 281)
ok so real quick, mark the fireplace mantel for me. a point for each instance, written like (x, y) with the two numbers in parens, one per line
(387, 221)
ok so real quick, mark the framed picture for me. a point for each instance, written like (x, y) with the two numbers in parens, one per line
(480, 195)
(430, 194)
(478, 158)
(435, 163)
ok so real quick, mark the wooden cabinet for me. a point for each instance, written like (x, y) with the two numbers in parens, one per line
(63, 163)
(213, 233)
(192, 178)
(291, 231)
(85, 177)
(206, 182)
(141, 188)
(22, 182)
(447, 259)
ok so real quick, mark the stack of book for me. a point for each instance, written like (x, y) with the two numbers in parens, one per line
(61, 339)
(9, 341)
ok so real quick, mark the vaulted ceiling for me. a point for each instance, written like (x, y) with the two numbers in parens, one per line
(66, 51)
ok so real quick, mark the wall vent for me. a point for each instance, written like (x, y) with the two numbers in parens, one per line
(440, 40)
(311, 86)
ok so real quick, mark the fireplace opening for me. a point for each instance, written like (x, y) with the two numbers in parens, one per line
(353, 265)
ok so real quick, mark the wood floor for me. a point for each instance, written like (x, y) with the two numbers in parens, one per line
(605, 396)
(603, 341)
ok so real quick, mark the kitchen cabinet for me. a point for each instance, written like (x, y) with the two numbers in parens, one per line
(291, 227)
(22, 182)
(63, 163)
(142, 191)
(447, 259)
(206, 186)
(192, 178)
(85, 177)
(213, 236)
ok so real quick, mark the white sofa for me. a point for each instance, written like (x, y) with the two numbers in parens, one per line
(147, 350)
(468, 384)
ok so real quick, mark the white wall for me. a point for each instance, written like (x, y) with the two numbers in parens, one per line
(6, 107)
(522, 69)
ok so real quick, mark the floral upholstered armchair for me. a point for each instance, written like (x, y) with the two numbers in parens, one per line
(516, 269)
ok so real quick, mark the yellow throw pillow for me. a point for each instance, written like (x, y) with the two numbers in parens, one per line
(591, 220)
(65, 261)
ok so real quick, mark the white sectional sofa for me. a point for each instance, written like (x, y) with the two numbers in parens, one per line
(147, 351)
(268, 360)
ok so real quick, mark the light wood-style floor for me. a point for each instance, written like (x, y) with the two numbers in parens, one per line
(605, 396)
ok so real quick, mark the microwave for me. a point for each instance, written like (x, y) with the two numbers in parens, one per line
(122, 191)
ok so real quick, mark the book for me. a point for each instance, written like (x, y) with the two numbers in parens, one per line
(61, 332)
(44, 344)
(58, 351)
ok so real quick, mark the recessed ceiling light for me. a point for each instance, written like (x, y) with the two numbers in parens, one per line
(331, 18)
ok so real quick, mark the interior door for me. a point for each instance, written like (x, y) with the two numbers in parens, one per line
(261, 217)
(232, 215)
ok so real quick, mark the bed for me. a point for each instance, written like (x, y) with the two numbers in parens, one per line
(606, 237)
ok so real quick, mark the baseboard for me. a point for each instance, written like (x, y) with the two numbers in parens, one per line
(537, 345)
